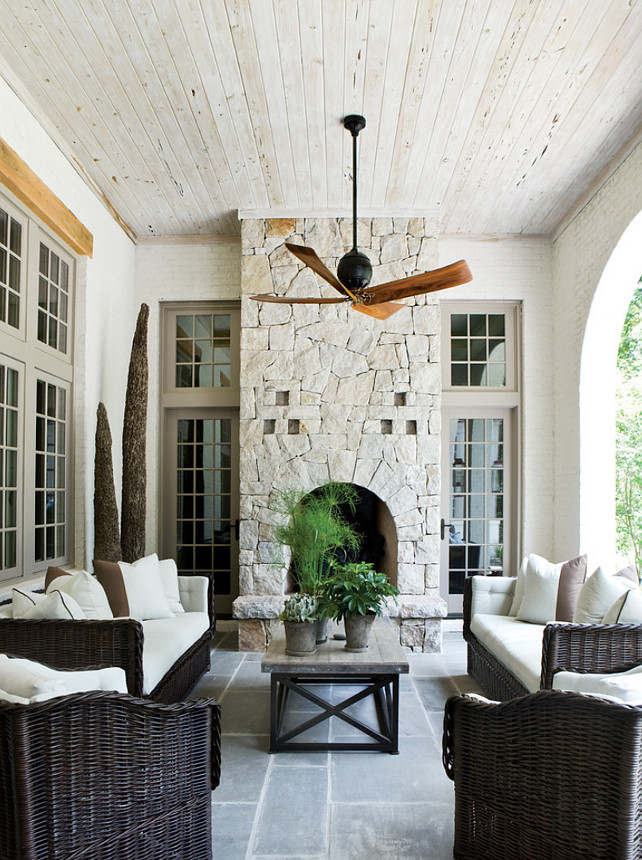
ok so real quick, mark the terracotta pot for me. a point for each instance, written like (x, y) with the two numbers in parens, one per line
(300, 638)
(358, 631)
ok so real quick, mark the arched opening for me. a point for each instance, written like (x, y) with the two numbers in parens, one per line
(597, 395)
(372, 521)
(628, 438)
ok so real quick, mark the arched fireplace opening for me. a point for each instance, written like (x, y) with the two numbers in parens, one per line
(373, 522)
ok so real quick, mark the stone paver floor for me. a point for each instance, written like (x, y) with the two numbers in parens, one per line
(332, 805)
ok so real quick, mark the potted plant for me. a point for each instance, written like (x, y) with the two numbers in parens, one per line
(299, 617)
(355, 592)
(316, 533)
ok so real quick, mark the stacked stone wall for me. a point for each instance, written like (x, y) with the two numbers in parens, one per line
(330, 394)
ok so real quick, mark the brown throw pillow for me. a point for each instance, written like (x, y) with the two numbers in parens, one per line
(53, 573)
(110, 576)
(572, 576)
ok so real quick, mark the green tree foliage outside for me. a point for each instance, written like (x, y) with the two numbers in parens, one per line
(629, 435)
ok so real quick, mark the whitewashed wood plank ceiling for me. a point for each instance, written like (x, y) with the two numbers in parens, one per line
(497, 116)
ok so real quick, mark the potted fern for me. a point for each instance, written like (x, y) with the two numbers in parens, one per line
(299, 617)
(316, 533)
(355, 591)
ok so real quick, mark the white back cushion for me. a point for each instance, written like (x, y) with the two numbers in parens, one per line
(169, 575)
(36, 681)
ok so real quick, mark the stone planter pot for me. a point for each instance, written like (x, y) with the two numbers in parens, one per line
(358, 631)
(322, 631)
(300, 638)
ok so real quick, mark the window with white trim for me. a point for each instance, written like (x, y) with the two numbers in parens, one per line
(37, 276)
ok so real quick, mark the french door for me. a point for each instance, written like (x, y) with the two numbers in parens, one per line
(200, 518)
(477, 497)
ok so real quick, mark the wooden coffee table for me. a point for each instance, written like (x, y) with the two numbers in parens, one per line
(375, 671)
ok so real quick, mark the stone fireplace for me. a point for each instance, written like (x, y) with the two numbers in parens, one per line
(330, 394)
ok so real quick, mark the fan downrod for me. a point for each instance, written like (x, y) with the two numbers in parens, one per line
(354, 269)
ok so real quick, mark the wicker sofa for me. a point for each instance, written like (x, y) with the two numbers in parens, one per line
(162, 659)
(548, 775)
(553, 656)
(103, 776)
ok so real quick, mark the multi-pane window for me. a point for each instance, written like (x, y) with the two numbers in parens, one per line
(203, 350)
(36, 378)
(53, 299)
(51, 471)
(10, 268)
(478, 350)
(9, 382)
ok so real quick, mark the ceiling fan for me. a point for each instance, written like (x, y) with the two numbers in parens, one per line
(354, 270)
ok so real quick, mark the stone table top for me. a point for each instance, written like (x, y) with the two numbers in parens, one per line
(385, 656)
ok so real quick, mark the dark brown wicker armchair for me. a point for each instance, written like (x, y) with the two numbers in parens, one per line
(103, 776)
(547, 775)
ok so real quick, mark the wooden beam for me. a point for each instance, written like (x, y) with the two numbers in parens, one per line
(32, 191)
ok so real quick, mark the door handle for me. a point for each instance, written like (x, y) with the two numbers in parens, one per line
(236, 529)
(444, 526)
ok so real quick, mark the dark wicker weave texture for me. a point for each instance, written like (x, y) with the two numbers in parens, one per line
(103, 776)
(551, 775)
(85, 644)
(565, 647)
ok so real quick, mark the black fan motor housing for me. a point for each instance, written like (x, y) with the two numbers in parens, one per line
(354, 270)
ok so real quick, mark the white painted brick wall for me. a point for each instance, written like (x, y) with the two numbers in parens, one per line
(177, 272)
(590, 252)
(519, 269)
(105, 302)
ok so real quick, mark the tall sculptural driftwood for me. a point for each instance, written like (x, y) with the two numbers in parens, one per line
(132, 532)
(106, 531)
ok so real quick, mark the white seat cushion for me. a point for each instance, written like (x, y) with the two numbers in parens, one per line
(167, 639)
(516, 644)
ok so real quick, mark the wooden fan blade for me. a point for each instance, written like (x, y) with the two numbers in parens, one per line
(312, 261)
(427, 282)
(379, 310)
(284, 300)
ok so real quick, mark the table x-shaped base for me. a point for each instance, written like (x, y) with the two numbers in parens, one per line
(383, 688)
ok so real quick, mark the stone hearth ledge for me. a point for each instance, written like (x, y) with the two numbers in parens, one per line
(419, 618)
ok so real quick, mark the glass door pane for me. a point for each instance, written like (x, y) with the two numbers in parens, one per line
(474, 507)
(203, 451)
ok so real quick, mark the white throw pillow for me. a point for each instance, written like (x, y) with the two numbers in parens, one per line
(597, 595)
(169, 575)
(36, 682)
(144, 587)
(86, 591)
(519, 588)
(540, 591)
(55, 605)
(627, 609)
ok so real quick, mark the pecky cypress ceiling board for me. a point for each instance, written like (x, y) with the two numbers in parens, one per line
(496, 116)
